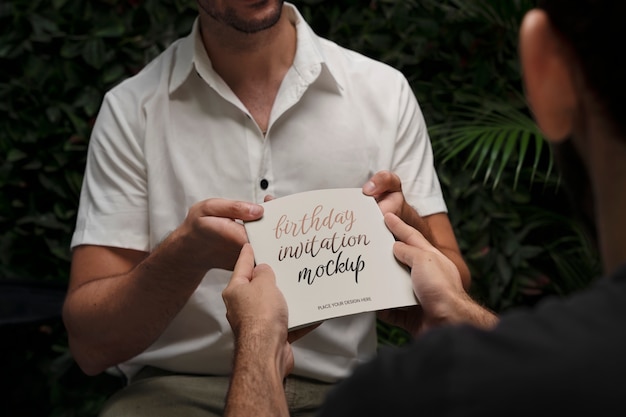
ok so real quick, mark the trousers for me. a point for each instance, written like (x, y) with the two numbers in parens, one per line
(157, 393)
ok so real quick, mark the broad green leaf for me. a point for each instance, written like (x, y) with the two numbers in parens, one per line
(15, 155)
(113, 29)
(94, 52)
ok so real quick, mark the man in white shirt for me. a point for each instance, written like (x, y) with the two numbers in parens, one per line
(252, 103)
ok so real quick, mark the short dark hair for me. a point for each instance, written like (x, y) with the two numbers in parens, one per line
(594, 29)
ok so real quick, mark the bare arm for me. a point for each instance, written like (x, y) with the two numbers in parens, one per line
(257, 313)
(119, 301)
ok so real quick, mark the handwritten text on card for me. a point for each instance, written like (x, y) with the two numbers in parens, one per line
(319, 221)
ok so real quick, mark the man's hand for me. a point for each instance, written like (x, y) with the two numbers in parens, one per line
(386, 188)
(436, 282)
(257, 310)
(212, 231)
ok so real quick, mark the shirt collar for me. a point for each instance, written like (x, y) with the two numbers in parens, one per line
(184, 58)
(310, 53)
(191, 56)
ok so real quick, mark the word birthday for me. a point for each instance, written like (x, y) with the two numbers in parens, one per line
(332, 267)
(314, 221)
(313, 246)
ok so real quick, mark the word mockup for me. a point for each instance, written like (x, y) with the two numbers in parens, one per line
(332, 255)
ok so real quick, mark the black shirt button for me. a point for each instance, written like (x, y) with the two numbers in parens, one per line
(264, 184)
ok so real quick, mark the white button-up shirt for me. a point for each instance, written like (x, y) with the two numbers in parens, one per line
(175, 134)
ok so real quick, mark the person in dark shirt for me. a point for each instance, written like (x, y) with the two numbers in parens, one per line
(566, 356)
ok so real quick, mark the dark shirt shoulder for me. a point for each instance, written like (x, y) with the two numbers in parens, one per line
(566, 356)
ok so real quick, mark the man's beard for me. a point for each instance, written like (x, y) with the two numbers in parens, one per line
(230, 18)
(577, 186)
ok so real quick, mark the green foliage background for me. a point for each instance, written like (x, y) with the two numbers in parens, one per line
(58, 57)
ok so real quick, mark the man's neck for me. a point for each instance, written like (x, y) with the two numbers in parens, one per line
(243, 59)
(608, 174)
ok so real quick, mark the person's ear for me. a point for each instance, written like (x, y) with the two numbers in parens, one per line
(548, 76)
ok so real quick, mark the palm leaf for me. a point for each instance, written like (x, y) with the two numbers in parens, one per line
(493, 136)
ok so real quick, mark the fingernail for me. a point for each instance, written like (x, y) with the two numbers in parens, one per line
(369, 187)
(255, 209)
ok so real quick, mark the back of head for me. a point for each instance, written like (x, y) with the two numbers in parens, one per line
(594, 30)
